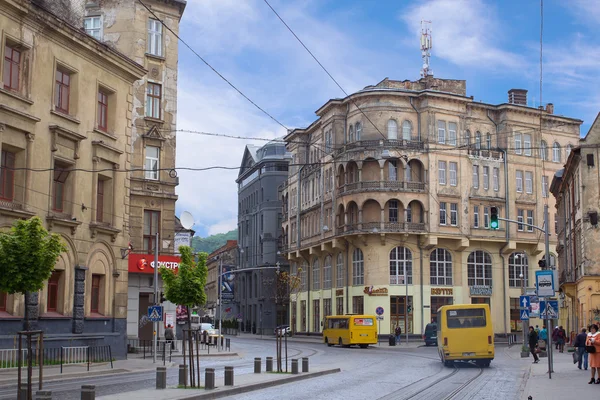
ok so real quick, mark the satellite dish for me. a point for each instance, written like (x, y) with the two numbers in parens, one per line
(187, 220)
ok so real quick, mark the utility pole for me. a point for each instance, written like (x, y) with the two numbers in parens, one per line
(156, 300)
(220, 299)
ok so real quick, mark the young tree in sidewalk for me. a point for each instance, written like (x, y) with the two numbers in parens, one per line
(28, 254)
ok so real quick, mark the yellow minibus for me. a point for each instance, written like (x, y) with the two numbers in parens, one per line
(348, 330)
(465, 333)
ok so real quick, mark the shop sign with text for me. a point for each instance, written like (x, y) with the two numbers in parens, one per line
(441, 292)
(144, 263)
(480, 290)
(375, 292)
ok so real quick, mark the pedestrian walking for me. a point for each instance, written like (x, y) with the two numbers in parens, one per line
(555, 337)
(561, 336)
(543, 338)
(169, 335)
(533, 338)
(398, 333)
(537, 330)
(579, 345)
(592, 345)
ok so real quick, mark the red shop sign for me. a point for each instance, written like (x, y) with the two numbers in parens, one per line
(144, 263)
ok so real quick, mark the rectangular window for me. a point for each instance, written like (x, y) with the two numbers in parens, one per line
(153, 99)
(393, 211)
(53, 291)
(442, 172)
(393, 170)
(544, 186)
(102, 111)
(93, 27)
(518, 148)
(100, 201)
(441, 132)
(496, 179)
(151, 227)
(520, 217)
(95, 297)
(358, 305)
(453, 214)
(530, 220)
(476, 216)
(339, 306)
(486, 177)
(519, 179)
(527, 144)
(316, 316)
(452, 134)
(453, 173)
(155, 37)
(62, 91)
(59, 190)
(12, 65)
(152, 164)
(326, 307)
(475, 176)
(529, 182)
(443, 213)
(7, 175)
(486, 217)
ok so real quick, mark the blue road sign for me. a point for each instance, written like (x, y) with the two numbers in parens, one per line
(155, 313)
(524, 315)
(544, 283)
(550, 307)
(379, 311)
(524, 302)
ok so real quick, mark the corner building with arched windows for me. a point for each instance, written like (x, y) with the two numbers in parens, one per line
(387, 203)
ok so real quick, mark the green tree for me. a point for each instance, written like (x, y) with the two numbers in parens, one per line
(28, 254)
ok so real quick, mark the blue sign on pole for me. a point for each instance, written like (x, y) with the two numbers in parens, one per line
(379, 311)
(524, 302)
(524, 315)
(544, 283)
(155, 313)
(549, 309)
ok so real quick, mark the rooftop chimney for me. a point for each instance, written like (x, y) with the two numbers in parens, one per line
(550, 108)
(517, 96)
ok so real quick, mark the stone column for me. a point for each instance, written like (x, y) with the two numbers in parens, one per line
(79, 299)
(382, 219)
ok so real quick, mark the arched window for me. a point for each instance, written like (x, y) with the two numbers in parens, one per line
(467, 139)
(340, 271)
(392, 129)
(488, 141)
(358, 129)
(478, 140)
(316, 275)
(406, 130)
(518, 265)
(400, 266)
(543, 150)
(440, 264)
(556, 152)
(327, 273)
(568, 151)
(358, 267)
(351, 134)
(479, 268)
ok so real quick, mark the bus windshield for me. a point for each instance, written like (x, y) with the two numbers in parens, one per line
(466, 318)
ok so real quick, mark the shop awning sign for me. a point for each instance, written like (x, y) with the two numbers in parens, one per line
(144, 263)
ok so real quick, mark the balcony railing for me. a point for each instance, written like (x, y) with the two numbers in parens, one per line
(491, 154)
(385, 227)
(387, 143)
(11, 205)
(396, 186)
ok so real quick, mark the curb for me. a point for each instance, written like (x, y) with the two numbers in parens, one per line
(209, 355)
(259, 386)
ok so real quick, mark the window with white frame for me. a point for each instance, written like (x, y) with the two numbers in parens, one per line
(486, 177)
(454, 214)
(441, 132)
(530, 220)
(520, 219)
(400, 266)
(392, 128)
(467, 139)
(316, 275)
(527, 144)
(488, 141)
(543, 150)
(358, 130)
(358, 268)
(393, 170)
(452, 133)
(475, 216)
(518, 148)
(529, 182)
(442, 213)
(519, 181)
(476, 176)
(339, 278)
(518, 265)
(544, 186)
(440, 267)
(478, 140)
(327, 273)
(406, 130)
(496, 179)
(453, 173)
(93, 26)
(155, 37)
(556, 152)
(486, 217)
(479, 269)
(152, 164)
(442, 172)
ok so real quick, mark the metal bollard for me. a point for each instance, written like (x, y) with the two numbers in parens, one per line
(88, 392)
(183, 375)
(304, 364)
(294, 366)
(43, 395)
(22, 395)
(209, 378)
(269, 367)
(257, 365)
(161, 377)
(228, 376)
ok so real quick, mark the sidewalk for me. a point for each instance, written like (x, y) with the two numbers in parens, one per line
(242, 384)
(567, 381)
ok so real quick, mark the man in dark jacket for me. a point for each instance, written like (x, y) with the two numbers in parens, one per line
(580, 348)
(533, 339)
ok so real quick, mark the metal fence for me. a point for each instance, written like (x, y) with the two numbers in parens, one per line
(57, 356)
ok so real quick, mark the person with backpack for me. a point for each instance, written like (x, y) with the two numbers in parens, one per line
(398, 333)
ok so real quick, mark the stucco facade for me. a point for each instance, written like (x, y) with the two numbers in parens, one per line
(403, 175)
(66, 111)
(222, 260)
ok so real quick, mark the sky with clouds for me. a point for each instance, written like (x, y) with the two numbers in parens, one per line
(493, 45)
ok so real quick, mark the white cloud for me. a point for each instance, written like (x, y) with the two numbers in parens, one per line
(465, 32)
(223, 226)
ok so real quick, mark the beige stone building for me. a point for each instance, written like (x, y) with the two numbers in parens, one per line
(66, 115)
(577, 189)
(388, 202)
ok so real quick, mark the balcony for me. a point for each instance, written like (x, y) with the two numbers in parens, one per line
(384, 227)
(566, 277)
(414, 145)
(383, 186)
(486, 154)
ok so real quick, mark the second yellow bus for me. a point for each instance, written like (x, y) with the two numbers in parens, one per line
(348, 330)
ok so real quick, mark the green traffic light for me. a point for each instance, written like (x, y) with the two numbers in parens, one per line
(494, 224)
(494, 218)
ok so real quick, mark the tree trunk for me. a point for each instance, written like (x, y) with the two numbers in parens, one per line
(27, 324)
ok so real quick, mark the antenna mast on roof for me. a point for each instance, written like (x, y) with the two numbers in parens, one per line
(426, 44)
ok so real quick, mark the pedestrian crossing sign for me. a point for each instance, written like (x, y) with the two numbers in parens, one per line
(549, 309)
(155, 313)
(524, 315)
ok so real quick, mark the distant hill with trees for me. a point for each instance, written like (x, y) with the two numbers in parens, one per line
(213, 242)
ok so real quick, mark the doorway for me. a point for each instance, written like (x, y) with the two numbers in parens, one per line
(145, 328)
(398, 314)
